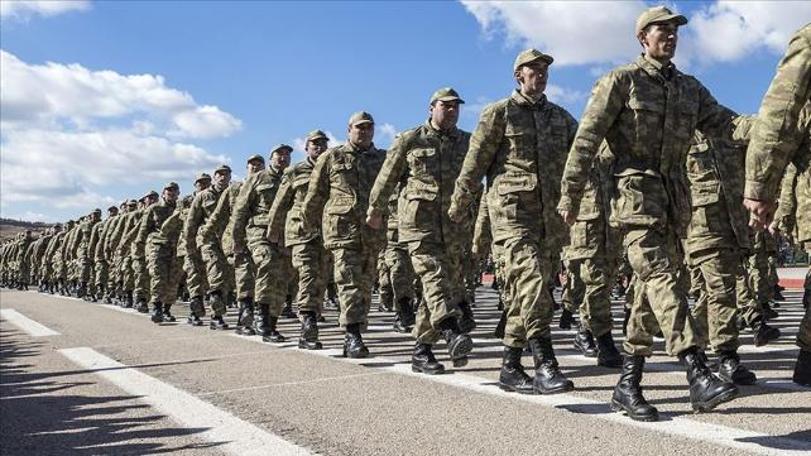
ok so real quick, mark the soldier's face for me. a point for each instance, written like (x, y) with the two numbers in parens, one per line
(170, 195)
(532, 77)
(316, 147)
(280, 159)
(255, 166)
(659, 40)
(362, 134)
(202, 185)
(222, 178)
(445, 114)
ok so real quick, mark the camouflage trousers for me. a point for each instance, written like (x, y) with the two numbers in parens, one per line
(140, 278)
(401, 274)
(384, 288)
(662, 289)
(165, 272)
(195, 269)
(127, 274)
(311, 262)
(354, 272)
(101, 274)
(85, 268)
(592, 276)
(527, 269)
(575, 289)
(716, 309)
(440, 271)
(219, 272)
(273, 272)
(244, 274)
(758, 266)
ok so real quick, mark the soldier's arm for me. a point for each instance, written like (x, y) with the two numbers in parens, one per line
(242, 212)
(484, 143)
(784, 216)
(281, 205)
(144, 228)
(213, 228)
(482, 237)
(193, 221)
(390, 175)
(605, 105)
(776, 137)
(317, 192)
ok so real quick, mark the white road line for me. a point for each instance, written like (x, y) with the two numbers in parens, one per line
(26, 324)
(235, 435)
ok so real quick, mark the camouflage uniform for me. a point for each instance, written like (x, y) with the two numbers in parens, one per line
(209, 254)
(217, 243)
(158, 234)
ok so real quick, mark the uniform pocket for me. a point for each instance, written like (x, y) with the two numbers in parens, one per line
(641, 199)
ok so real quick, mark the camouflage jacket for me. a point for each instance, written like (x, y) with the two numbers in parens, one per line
(219, 227)
(183, 214)
(797, 201)
(287, 207)
(200, 211)
(150, 230)
(521, 147)
(338, 196)
(128, 244)
(105, 230)
(778, 137)
(113, 236)
(252, 209)
(784, 216)
(125, 232)
(426, 162)
(648, 121)
(715, 175)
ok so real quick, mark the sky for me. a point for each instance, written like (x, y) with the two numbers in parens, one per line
(107, 100)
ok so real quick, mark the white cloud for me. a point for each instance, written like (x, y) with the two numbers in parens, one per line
(384, 134)
(571, 31)
(731, 30)
(24, 9)
(565, 95)
(54, 93)
(71, 135)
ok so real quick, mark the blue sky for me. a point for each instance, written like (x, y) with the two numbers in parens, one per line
(107, 100)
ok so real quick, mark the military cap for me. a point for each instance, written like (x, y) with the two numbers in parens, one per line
(279, 147)
(132, 204)
(112, 209)
(316, 134)
(446, 94)
(202, 177)
(222, 169)
(97, 211)
(172, 185)
(256, 157)
(531, 55)
(151, 194)
(658, 14)
(361, 117)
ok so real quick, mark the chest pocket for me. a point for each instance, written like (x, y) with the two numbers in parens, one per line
(422, 161)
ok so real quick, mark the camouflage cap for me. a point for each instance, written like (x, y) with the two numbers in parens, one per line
(446, 94)
(531, 55)
(97, 211)
(361, 117)
(658, 14)
(316, 134)
(256, 157)
(281, 147)
(172, 185)
(202, 177)
(152, 194)
(132, 204)
(112, 209)
(223, 169)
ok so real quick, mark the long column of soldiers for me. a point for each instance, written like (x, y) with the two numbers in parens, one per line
(656, 163)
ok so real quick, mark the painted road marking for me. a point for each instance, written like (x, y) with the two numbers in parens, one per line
(26, 324)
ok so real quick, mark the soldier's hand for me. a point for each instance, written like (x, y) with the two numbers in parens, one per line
(568, 217)
(375, 221)
(761, 213)
(455, 213)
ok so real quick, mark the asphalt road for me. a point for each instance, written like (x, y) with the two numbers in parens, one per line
(96, 379)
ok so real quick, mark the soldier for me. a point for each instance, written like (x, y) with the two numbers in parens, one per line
(100, 255)
(85, 254)
(307, 247)
(220, 228)
(22, 260)
(157, 237)
(138, 276)
(427, 159)
(211, 253)
(251, 220)
(47, 268)
(117, 259)
(782, 136)
(399, 273)
(193, 265)
(647, 112)
(520, 143)
(339, 189)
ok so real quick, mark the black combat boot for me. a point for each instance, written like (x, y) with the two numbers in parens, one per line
(309, 332)
(353, 342)
(399, 325)
(128, 300)
(467, 322)
(628, 392)
(512, 377)
(245, 317)
(706, 390)
(287, 312)
(584, 341)
(566, 319)
(802, 370)
(423, 360)
(157, 312)
(167, 314)
(459, 344)
(196, 311)
(778, 293)
(273, 335)
(261, 324)
(763, 332)
(731, 370)
(501, 325)
(81, 292)
(141, 305)
(767, 311)
(408, 311)
(607, 353)
(548, 377)
(231, 300)
(217, 323)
